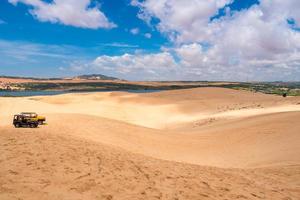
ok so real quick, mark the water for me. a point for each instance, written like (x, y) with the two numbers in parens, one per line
(50, 93)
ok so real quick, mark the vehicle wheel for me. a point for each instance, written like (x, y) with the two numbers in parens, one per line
(17, 125)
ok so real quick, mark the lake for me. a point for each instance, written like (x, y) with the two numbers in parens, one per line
(50, 93)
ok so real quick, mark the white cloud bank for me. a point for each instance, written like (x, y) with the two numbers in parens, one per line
(76, 13)
(256, 43)
(133, 66)
(252, 44)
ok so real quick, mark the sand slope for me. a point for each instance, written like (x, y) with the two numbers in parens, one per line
(250, 142)
(46, 166)
(207, 143)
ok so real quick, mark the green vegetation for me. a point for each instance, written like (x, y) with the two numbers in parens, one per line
(277, 88)
(97, 86)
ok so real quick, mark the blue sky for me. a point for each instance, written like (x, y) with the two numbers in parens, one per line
(76, 44)
(149, 40)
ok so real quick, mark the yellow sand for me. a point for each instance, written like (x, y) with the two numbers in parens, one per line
(207, 143)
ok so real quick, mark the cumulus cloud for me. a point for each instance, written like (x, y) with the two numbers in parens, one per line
(278, 10)
(135, 31)
(130, 62)
(197, 63)
(184, 20)
(148, 35)
(132, 66)
(76, 13)
(256, 43)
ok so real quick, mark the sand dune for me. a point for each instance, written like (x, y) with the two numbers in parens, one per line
(47, 166)
(156, 110)
(207, 143)
(250, 142)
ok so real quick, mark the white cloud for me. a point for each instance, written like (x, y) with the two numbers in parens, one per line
(185, 21)
(133, 66)
(278, 9)
(135, 31)
(194, 62)
(121, 45)
(68, 12)
(148, 35)
(216, 64)
(252, 44)
(245, 46)
(137, 61)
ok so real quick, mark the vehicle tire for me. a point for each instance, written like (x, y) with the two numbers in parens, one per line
(17, 125)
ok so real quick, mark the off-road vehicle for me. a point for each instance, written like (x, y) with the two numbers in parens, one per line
(23, 121)
(40, 119)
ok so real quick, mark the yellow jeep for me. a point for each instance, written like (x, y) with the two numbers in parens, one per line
(23, 121)
(40, 119)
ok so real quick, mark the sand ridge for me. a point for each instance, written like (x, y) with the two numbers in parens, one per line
(160, 110)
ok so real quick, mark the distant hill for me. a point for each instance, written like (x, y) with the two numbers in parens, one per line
(96, 77)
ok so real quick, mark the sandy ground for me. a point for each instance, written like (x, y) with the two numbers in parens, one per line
(206, 143)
